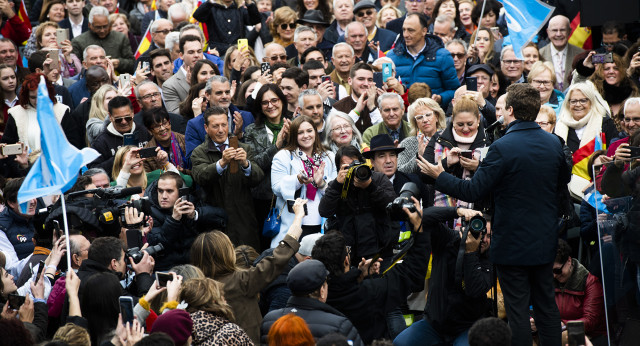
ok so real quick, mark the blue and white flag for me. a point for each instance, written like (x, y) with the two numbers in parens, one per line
(525, 18)
(56, 170)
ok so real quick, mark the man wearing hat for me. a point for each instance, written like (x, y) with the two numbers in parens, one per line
(308, 284)
(391, 108)
(365, 12)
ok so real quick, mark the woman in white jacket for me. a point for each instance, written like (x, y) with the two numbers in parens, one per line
(301, 169)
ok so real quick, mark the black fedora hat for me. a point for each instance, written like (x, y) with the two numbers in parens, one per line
(313, 17)
(381, 143)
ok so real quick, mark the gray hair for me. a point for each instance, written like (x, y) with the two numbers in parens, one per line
(504, 50)
(176, 8)
(94, 171)
(192, 26)
(443, 18)
(630, 102)
(214, 79)
(98, 11)
(144, 82)
(301, 29)
(391, 96)
(346, 29)
(342, 44)
(457, 41)
(156, 24)
(334, 3)
(91, 46)
(307, 92)
(171, 40)
(356, 141)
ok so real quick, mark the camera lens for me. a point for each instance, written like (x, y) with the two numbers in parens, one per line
(363, 172)
(477, 224)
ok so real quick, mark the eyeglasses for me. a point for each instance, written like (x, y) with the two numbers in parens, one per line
(278, 57)
(273, 101)
(364, 13)
(581, 101)
(558, 271)
(147, 97)
(460, 56)
(635, 120)
(287, 25)
(341, 128)
(164, 32)
(543, 123)
(541, 82)
(164, 125)
(120, 120)
(424, 116)
(512, 62)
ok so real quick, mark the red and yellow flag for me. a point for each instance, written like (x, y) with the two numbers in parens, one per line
(582, 155)
(145, 43)
(580, 36)
(22, 14)
(203, 26)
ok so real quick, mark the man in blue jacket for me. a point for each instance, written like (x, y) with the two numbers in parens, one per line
(422, 58)
(523, 170)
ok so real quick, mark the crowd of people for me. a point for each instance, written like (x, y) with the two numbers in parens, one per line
(312, 173)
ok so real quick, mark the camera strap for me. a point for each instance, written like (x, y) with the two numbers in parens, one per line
(460, 258)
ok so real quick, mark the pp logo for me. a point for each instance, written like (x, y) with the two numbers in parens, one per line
(21, 238)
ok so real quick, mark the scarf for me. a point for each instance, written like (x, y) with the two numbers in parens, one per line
(275, 128)
(592, 121)
(310, 166)
(176, 155)
(464, 140)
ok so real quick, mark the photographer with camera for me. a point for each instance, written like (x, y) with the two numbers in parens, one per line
(460, 278)
(356, 204)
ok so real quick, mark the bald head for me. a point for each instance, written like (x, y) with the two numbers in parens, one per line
(558, 31)
(273, 53)
(96, 77)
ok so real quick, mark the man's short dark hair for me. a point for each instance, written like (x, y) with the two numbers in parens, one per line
(172, 175)
(331, 250)
(36, 60)
(105, 249)
(214, 110)
(312, 65)
(298, 75)
(424, 22)
(613, 27)
(10, 191)
(187, 38)
(525, 100)
(277, 66)
(154, 116)
(303, 57)
(119, 102)
(359, 66)
(156, 53)
(490, 331)
(348, 151)
(564, 251)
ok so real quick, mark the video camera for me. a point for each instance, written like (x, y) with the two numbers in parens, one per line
(403, 201)
(136, 254)
(477, 226)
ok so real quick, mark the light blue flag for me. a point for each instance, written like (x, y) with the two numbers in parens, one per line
(525, 18)
(56, 170)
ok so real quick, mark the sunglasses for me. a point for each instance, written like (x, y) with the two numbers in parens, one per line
(458, 55)
(288, 25)
(120, 120)
(280, 57)
(364, 13)
(558, 271)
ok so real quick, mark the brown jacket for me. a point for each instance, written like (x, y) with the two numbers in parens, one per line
(241, 288)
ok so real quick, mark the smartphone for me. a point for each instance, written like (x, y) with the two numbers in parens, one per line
(129, 139)
(61, 35)
(15, 301)
(387, 71)
(635, 151)
(163, 278)
(264, 67)
(471, 83)
(467, 154)
(183, 191)
(377, 78)
(126, 309)
(145, 65)
(12, 149)
(290, 204)
(326, 78)
(55, 61)
(243, 44)
(40, 270)
(575, 333)
(56, 228)
(134, 238)
(147, 152)
(602, 58)
(124, 78)
(495, 30)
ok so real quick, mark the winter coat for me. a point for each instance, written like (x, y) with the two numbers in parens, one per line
(19, 231)
(555, 101)
(115, 44)
(212, 330)
(258, 140)
(433, 66)
(229, 191)
(320, 317)
(226, 24)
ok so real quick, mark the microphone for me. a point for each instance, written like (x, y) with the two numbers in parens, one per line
(498, 122)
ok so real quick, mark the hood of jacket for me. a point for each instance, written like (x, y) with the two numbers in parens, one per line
(433, 43)
(112, 130)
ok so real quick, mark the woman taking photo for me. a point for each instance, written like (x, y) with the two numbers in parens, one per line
(236, 63)
(426, 119)
(98, 112)
(583, 115)
(341, 131)
(543, 78)
(481, 50)
(53, 12)
(266, 136)
(202, 71)
(69, 64)
(190, 109)
(214, 254)
(301, 169)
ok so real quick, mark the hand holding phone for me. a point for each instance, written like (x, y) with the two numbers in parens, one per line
(163, 278)
(126, 310)
(15, 301)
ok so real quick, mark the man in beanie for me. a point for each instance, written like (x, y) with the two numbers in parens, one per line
(175, 323)
(308, 284)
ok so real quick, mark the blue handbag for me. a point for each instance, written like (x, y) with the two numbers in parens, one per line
(271, 226)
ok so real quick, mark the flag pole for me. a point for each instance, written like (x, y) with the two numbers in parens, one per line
(66, 231)
(484, 3)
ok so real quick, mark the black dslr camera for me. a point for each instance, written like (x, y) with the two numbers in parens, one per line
(403, 201)
(477, 226)
(359, 170)
(137, 254)
(142, 205)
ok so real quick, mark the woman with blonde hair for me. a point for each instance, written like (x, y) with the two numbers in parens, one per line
(543, 77)
(283, 25)
(387, 14)
(546, 118)
(426, 119)
(99, 111)
(235, 63)
(481, 50)
(128, 168)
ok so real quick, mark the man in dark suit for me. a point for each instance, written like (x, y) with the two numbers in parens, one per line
(524, 171)
(343, 12)
(560, 52)
(75, 22)
(412, 6)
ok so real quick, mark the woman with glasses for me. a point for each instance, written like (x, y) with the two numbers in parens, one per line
(283, 26)
(157, 122)
(546, 118)
(481, 49)
(303, 168)
(341, 131)
(426, 119)
(583, 115)
(98, 111)
(543, 77)
(266, 136)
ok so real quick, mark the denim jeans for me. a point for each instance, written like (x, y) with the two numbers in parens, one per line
(421, 333)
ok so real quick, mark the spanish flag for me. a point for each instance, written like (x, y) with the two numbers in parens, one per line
(145, 43)
(203, 26)
(582, 155)
(580, 36)
(22, 14)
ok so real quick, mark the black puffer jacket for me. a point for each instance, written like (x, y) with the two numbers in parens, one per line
(321, 318)
(177, 236)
